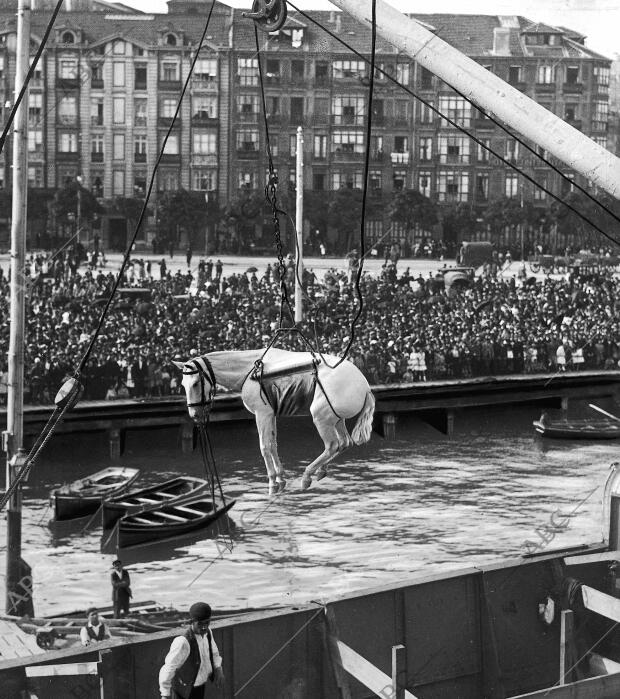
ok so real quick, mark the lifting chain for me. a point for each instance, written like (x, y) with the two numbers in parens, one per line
(268, 15)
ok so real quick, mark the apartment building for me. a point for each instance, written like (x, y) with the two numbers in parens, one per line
(105, 94)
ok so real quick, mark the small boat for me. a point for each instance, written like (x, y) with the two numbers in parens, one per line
(577, 428)
(168, 521)
(83, 497)
(170, 491)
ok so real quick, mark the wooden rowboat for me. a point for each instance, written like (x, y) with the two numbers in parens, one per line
(84, 496)
(174, 490)
(578, 429)
(167, 521)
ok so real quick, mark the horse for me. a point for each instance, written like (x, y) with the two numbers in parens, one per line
(277, 382)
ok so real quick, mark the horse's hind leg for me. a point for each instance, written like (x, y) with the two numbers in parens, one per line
(275, 459)
(344, 442)
(266, 422)
(328, 429)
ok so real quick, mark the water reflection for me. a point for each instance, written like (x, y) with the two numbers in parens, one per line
(388, 510)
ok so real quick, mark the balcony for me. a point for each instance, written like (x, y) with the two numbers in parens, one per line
(203, 119)
(139, 157)
(247, 117)
(545, 87)
(96, 120)
(340, 154)
(96, 83)
(482, 123)
(167, 121)
(377, 156)
(171, 158)
(140, 85)
(67, 156)
(574, 88)
(170, 85)
(575, 123)
(401, 122)
(67, 83)
(378, 120)
(518, 85)
(96, 157)
(247, 153)
(400, 158)
(321, 81)
(273, 78)
(348, 120)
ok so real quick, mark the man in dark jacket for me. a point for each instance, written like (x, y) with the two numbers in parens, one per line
(121, 590)
(193, 659)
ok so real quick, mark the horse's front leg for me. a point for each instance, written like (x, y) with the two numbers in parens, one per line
(265, 422)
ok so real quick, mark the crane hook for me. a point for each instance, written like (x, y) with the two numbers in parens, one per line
(268, 15)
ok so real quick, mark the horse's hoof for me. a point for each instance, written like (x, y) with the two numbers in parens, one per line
(281, 486)
(320, 474)
(306, 482)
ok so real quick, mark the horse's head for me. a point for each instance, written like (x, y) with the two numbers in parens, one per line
(199, 384)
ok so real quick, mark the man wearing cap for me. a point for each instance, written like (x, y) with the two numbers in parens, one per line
(121, 590)
(95, 630)
(193, 659)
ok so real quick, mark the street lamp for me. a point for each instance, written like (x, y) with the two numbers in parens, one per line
(78, 217)
(207, 225)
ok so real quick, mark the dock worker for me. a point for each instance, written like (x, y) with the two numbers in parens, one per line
(193, 659)
(121, 590)
(94, 630)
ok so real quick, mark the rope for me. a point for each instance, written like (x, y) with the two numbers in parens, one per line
(461, 128)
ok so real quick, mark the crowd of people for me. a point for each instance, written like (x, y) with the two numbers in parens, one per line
(411, 328)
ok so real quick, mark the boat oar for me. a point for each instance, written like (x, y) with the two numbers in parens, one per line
(604, 412)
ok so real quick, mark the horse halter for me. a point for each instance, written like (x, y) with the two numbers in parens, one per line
(203, 368)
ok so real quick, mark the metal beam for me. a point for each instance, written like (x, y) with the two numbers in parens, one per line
(491, 93)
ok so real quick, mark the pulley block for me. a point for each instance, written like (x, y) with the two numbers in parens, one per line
(268, 15)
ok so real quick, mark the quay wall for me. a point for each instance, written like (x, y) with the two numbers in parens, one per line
(471, 634)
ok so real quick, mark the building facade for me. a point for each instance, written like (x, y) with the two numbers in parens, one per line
(106, 91)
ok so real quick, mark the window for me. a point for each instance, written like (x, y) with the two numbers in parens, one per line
(601, 140)
(482, 151)
(571, 110)
(321, 110)
(321, 73)
(320, 147)
(399, 179)
(168, 180)
(427, 115)
(424, 183)
(67, 38)
(170, 70)
(139, 184)
(348, 142)
(401, 111)
(349, 69)
(96, 73)
(348, 180)
(139, 111)
(376, 147)
(96, 111)
(118, 146)
(96, 144)
(545, 75)
(172, 145)
(68, 68)
(453, 149)
(482, 186)
(425, 149)
(375, 179)
(247, 179)
(139, 76)
(1, 67)
(318, 181)
(139, 147)
(247, 140)
(426, 78)
(512, 185)
(168, 107)
(204, 107)
(35, 108)
(35, 140)
(67, 111)
(205, 70)
(297, 70)
(401, 144)
(514, 75)
(272, 69)
(601, 76)
(204, 180)
(297, 110)
(35, 176)
(118, 74)
(292, 145)
(600, 116)
(539, 194)
(119, 110)
(67, 142)
(247, 105)
(402, 73)
(455, 108)
(572, 75)
(204, 143)
(118, 182)
(452, 186)
(171, 40)
(349, 110)
(96, 178)
(247, 71)
(512, 149)
(119, 48)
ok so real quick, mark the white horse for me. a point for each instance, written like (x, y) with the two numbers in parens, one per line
(278, 382)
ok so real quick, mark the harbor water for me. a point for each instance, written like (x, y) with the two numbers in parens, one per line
(421, 504)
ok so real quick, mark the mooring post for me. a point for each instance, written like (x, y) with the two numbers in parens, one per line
(566, 639)
(187, 437)
(399, 672)
(116, 448)
(449, 422)
(389, 426)
(564, 404)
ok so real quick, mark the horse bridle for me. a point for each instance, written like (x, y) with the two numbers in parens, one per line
(202, 367)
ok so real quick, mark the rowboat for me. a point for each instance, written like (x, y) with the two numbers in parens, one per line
(174, 490)
(577, 429)
(167, 521)
(84, 496)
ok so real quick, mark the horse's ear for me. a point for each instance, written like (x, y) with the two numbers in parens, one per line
(178, 365)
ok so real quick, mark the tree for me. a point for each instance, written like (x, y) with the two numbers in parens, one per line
(345, 215)
(182, 210)
(66, 204)
(569, 223)
(460, 222)
(411, 208)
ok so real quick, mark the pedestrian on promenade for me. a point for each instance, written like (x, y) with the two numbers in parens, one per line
(121, 590)
(94, 630)
(188, 255)
(193, 659)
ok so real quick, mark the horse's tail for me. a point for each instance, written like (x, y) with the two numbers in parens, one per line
(363, 427)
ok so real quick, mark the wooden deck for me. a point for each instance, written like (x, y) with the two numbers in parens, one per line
(15, 643)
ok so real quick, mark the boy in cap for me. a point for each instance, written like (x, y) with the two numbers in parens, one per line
(121, 590)
(193, 659)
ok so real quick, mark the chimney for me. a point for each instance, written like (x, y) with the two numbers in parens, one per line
(501, 41)
(338, 22)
